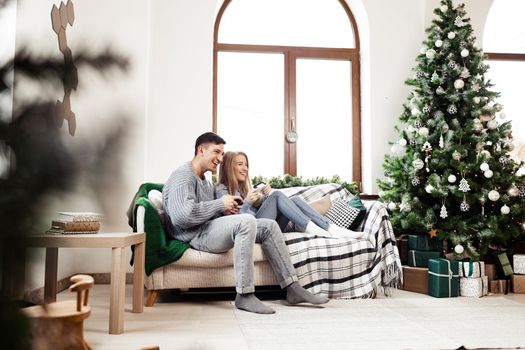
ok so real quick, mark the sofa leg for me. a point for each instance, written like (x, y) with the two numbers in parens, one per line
(151, 297)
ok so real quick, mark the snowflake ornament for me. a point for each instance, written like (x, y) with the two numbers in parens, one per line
(452, 64)
(415, 181)
(503, 160)
(452, 109)
(464, 206)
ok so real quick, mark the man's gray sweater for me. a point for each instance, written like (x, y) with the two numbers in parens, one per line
(189, 203)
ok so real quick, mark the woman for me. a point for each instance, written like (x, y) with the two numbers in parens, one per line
(234, 180)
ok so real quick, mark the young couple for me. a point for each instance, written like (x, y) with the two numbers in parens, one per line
(208, 224)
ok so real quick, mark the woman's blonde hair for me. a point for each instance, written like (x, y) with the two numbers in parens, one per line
(227, 175)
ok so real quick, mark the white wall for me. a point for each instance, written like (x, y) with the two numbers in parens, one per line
(168, 92)
(124, 27)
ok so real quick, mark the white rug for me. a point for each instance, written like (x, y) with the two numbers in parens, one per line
(404, 321)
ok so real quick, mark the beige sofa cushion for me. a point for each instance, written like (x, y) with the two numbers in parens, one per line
(195, 258)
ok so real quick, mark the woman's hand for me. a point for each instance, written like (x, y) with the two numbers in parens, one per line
(253, 197)
(266, 190)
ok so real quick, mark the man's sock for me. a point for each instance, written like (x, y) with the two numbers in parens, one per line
(341, 232)
(312, 228)
(249, 302)
(296, 294)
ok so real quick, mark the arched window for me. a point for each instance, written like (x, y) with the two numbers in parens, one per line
(504, 43)
(286, 86)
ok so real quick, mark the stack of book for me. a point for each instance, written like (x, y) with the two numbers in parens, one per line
(76, 223)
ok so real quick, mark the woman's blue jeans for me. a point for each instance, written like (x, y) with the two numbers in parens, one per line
(283, 210)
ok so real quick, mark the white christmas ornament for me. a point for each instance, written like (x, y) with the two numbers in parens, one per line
(438, 43)
(456, 155)
(410, 128)
(492, 124)
(429, 188)
(464, 53)
(502, 115)
(444, 8)
(430, 54)
(415, 111)
(423, 50)
(476, 100)
(494, 195)
(441, 142)
(451, 35)
(463, 185)
(423, 131)
(485, 153)
(392, 206)
(443, 213)
(418, 164)
(459, 84)
(440, 90)
(402, 142)
(452, 178)
(513, 191)
(484, 166)
(395, 148)
(478, 127)
(488, 174)
(459, 249)
(505, 210)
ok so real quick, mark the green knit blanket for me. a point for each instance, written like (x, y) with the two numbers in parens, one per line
(160, 249)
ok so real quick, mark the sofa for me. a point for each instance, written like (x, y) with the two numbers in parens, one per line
(335, 267)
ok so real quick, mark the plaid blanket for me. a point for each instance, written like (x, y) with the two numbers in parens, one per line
(342, 267)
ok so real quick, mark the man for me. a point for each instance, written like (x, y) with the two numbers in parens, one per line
(215, 226)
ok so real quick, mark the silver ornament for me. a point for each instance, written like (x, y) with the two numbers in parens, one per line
(418, 164)
(464, 206)
(513, 191)
(456, 155)
(415, 181)
(452, 109)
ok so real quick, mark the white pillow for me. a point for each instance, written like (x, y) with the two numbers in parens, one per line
(155, 197)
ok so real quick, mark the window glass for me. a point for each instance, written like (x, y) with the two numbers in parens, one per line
(324, 118)
(250, 108)
(505, 29)
(313, 23)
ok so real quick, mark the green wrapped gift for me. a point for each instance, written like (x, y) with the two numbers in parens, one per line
(504, 264)
(419, 242)
(443, 278)
(418, 258)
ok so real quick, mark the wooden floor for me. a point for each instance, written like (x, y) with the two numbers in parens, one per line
(404, 321)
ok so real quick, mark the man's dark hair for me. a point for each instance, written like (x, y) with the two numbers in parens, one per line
(208, 137)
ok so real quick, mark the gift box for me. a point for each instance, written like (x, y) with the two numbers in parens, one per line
(519, 264)
(474, 287)
(518, 284)
(402, 246)
(473, 269)
(499, 287)
(415, 279)
(490, 271)
(443, 278)
(424, 243)
(504, 264)
(418, 258)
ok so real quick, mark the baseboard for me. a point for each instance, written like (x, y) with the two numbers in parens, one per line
(36, 296)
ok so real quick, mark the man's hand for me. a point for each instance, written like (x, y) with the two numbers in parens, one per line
(230, 205)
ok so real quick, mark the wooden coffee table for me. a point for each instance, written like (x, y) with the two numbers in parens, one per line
(118, 242)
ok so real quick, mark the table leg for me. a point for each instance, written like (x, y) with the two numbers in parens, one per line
(50, 284)
(138, 278)
(117, 292)
(14, 267)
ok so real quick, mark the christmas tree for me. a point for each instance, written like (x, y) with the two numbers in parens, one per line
(450, 173)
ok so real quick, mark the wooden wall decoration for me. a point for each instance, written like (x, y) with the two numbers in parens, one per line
(60, 19)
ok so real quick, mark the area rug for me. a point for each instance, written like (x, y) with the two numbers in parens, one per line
(404, 321)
